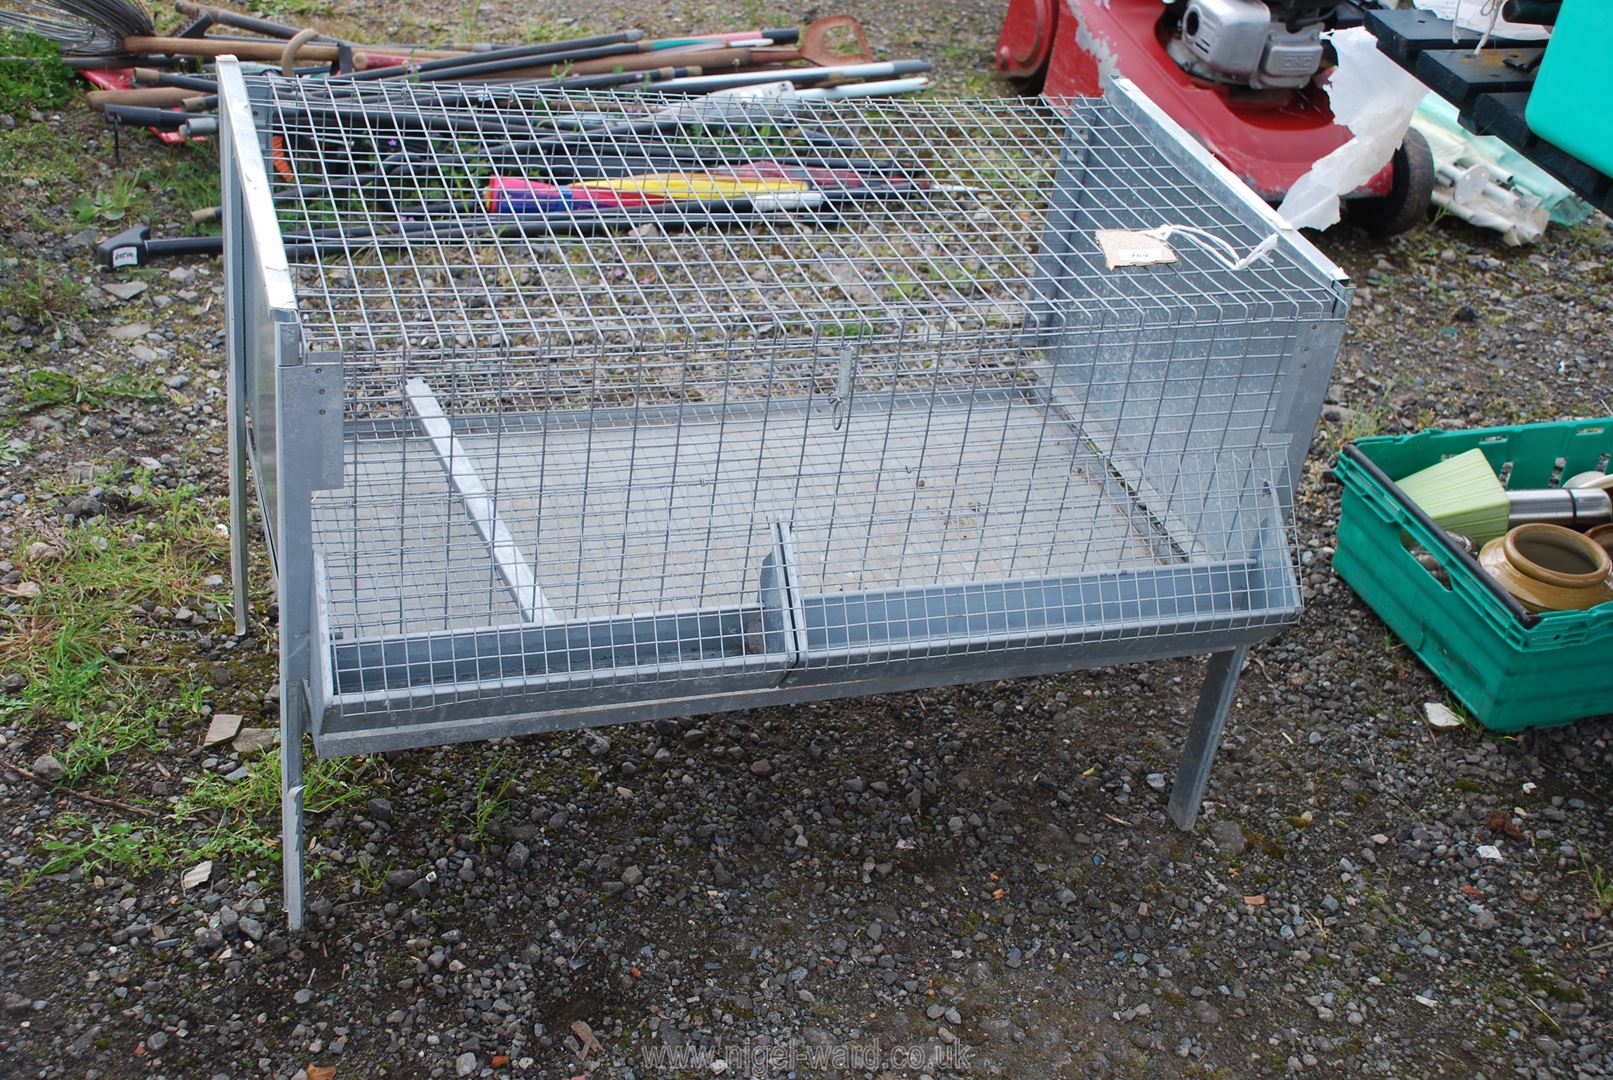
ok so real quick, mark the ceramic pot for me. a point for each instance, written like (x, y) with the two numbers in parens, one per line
(1550, 568)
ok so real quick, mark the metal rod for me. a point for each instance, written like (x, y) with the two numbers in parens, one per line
(226, 17)
(483, 65)
(513, 565)
(706, 83)
(556, 52)
(161, 119)
(152, 77)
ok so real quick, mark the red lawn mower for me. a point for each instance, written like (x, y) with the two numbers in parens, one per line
(1246, 77)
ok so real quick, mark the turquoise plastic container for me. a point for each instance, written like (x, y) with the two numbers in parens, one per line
(1569, 104)
(1508, 674)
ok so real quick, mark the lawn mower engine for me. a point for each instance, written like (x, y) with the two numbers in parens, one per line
(1264, 46)
(1248, 78)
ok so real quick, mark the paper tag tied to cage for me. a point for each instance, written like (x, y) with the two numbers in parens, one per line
(1123, 247)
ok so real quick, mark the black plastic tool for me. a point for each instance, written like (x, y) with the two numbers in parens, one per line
(134, 247)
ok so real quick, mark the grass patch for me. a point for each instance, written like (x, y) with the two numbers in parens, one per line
(244, 815)
(242, 820)
(94, 594)
(849, 329)
(41, 294)
(91, 846)
(160, 554)
(97, 704)
(40, 151)
(191, 178)
(32, 75)
(103, 736)
(543, 31)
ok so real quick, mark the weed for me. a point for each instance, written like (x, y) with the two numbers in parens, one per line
(193, 700)
(47, 387)
(469, 17)
(491, 802)
(115, 202)
(12, 449)
(92, 846)
(102, 736)
(1601, 883)
(279, 8)
(1368, 420)
(370, 872)
(32, 75)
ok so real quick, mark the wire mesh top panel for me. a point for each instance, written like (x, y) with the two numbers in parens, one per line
(423, 220)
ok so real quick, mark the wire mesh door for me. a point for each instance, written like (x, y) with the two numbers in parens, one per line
(664, 404)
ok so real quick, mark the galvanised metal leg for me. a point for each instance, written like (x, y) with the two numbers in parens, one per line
(237, 437)
(236, 383)
(292, 838)
(1209, 721)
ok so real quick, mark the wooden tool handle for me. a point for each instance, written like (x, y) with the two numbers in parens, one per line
(156, 97)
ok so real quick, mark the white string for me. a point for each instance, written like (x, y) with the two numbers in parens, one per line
(1219, 249)
(1494, 8)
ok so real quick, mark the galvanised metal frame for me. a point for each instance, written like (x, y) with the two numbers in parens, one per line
(545, 673)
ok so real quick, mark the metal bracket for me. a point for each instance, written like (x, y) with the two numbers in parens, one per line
(783, 619)
(313, 396)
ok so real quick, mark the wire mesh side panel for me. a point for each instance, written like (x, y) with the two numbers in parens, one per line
(644, 389)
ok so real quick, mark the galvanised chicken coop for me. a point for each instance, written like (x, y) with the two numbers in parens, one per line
(578, 409)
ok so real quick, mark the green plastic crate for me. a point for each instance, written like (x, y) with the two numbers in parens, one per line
(1509, 674)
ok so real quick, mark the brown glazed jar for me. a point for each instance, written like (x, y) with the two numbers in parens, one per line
(1603, 535)
(1550, 568)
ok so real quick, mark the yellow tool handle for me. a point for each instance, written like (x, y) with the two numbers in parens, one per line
(695, 186)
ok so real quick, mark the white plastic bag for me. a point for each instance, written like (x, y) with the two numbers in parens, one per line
(1373, 97)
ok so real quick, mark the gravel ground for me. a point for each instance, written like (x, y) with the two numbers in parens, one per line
(978, 881)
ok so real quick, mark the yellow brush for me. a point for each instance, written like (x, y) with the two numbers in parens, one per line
(696, 186)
